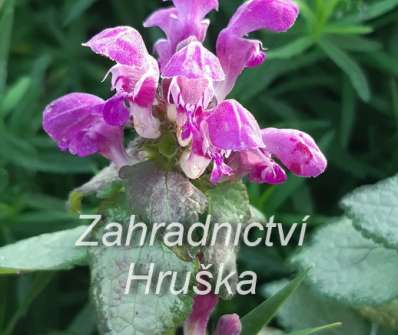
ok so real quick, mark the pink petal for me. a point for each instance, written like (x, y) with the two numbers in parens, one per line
(75, 122)
(273, 15)
(115, 112)
(139, 83)
(180, 23)
(259, 166)
(186, 91)
(229, 325)
(122, 44)
(296, 150)
(145, 124)
(203, 306)
(193, 165)
(232, 127)
(194, 61)
(195, 8)
(236, 52)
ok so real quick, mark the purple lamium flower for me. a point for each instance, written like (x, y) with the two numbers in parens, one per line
(183, 21)
(193, 70)
(230, 126)
(235, 51)
(134, 78)
(75, 122)
(187, 97)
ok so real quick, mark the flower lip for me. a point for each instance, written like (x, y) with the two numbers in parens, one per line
(230, 126)
(75, 123)
(296, 150)
(194, 61)
(121, 44)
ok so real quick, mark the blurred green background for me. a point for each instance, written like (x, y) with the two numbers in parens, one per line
(335, 76)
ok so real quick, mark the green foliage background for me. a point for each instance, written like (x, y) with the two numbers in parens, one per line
(335, 76)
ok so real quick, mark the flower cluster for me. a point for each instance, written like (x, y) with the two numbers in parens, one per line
(185, 92)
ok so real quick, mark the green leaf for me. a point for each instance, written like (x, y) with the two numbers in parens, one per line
(228, 203)
(386, 315)
(137, 312)
(349, 66)
(374, 210)
(348, 267)
(306, 309)
(292, 49)
(13, 95)
(6, 22)
(156, 195)
(40, 282)
(168, 145)
(348, 114)
(76, 9)
(259, 317)
(343, 29)
(45, 252)
(372, 10)
(3, 179)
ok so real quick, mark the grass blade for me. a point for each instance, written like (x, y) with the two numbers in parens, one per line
(347, 64)
(259, 317)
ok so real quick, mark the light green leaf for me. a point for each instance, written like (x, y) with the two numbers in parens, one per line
(292, 49)
(137, 312)
(259, 317)
(305, 309)
(228, 203)
(45, 252)
(347, 64)
(374, 210)
(348, 267)
(13, 95)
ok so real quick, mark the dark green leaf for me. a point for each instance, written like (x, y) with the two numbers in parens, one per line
(349, 66)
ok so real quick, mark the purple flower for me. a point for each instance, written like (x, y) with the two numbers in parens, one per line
(193, 69)
(184, 20)
(75, 122)
(217, 135)
(230, 126)
(235, 51)
(296, 150)
(134, 77)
